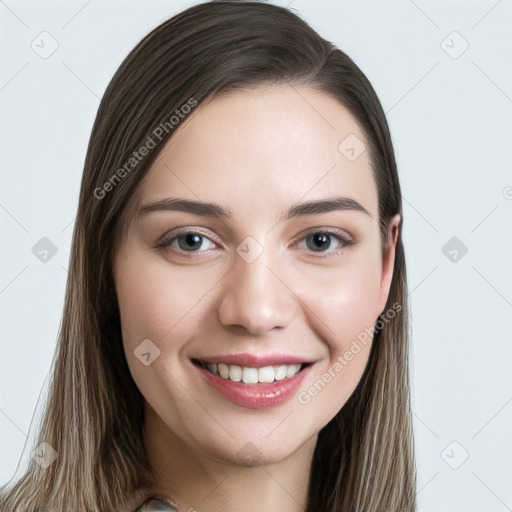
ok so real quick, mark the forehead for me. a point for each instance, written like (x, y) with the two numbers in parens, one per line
(272, 145)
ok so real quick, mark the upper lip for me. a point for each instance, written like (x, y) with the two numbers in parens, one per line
(255, 360)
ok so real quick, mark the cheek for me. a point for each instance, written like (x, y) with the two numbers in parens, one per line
(345, 299)
(343, 308)
(156, 302)
(162, 306)
(349, 310)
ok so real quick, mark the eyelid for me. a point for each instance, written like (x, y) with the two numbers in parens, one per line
(168, 237)
(340, 233)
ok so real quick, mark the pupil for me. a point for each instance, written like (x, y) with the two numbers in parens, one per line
(319, 240)
(190, 239)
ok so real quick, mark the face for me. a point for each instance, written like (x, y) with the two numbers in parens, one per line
(280, 275)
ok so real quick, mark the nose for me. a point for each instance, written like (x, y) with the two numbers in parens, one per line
(256, 298)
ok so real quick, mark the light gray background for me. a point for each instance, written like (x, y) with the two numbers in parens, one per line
(451, 124)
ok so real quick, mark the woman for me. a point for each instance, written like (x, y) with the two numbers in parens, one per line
(235, 326)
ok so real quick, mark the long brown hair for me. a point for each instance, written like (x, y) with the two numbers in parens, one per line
(94, 415)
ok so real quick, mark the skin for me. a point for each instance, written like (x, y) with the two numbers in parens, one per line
(257, 152)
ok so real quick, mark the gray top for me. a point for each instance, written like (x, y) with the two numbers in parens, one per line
(156, 504)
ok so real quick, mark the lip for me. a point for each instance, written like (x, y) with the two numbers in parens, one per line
(255, 360)
(255, 396)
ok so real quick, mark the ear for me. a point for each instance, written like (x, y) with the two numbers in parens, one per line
(388, 260)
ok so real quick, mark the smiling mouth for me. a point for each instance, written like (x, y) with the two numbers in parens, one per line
(251, 375)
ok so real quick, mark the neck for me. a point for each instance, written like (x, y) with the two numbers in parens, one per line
(199, 483)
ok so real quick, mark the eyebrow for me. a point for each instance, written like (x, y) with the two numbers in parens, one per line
(338, 203)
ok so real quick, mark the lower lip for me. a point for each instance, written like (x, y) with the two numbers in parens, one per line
(256, 396)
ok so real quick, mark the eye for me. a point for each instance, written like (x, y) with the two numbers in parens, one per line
(326, 242)
(186, 241)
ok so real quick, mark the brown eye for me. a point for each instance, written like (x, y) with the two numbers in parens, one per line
(327, 243)
(319, 241)
(187, 241)
(190, 241)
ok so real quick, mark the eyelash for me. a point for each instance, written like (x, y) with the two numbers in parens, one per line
(342, 239)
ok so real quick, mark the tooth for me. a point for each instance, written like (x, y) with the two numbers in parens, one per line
(213, 368)
(235, 373)
(266, 374)
(250, 375)
(223, 370)
(292, 370)
(280, 373)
